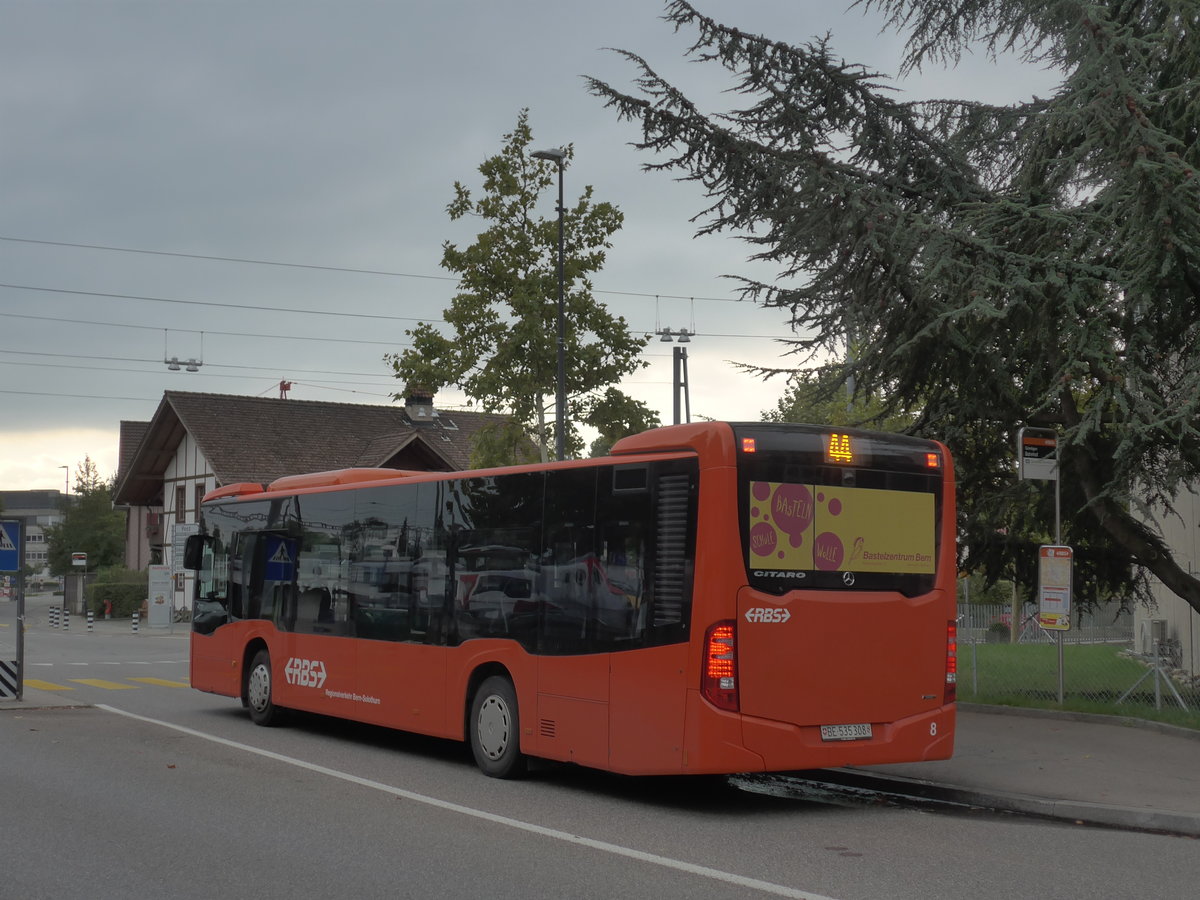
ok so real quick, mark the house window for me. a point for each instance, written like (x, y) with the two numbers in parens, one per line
(200, 492)
(180, 504)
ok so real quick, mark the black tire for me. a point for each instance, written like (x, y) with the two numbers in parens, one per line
(259, 695)
(495, 729)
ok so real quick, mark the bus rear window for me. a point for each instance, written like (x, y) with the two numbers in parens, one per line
(808, 524)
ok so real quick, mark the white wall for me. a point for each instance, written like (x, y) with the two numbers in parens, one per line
(1182, 533)
(189, 470)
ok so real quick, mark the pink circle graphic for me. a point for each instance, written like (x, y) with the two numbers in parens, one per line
(835, 507)
(763, 539)
(792, 507)
(761, 490)
(828, 552)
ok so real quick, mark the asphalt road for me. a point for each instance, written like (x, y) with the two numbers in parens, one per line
(159, 790)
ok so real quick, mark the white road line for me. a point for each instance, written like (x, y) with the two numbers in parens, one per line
(667, 862)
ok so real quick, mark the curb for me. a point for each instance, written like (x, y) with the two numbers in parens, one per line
(1074, 811)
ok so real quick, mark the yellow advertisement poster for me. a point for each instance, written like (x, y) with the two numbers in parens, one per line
(834, 529)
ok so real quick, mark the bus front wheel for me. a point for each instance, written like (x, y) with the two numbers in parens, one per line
(496, 729)
(259, 696)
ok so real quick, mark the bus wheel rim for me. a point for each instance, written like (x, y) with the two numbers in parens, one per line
(259, 689)
(494, 723)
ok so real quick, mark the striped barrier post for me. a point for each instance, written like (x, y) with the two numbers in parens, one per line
(91, 620)
(66, 619)
(10, 686)
(135, 621)
(54, 611)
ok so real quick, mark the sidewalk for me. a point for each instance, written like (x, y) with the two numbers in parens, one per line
(1075, 767)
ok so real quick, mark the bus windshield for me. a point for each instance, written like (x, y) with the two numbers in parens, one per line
(860, 517)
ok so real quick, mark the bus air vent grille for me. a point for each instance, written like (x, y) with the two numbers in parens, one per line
(548, 728)
(673, 501)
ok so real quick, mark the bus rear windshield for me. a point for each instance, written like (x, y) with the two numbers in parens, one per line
(865, 518)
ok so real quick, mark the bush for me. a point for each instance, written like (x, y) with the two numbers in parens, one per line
(998, 633)
(125, 589)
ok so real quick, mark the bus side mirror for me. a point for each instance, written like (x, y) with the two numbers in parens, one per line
(193, 552)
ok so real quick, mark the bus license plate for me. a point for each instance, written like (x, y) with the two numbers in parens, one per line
(846, 732)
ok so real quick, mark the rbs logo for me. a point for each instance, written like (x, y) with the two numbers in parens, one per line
(305, 672)
(772, 615)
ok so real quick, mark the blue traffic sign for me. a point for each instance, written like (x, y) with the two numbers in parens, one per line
(10, 546)
(281, 559)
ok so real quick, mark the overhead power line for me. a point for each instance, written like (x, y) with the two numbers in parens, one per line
(323, 268)
(282, 309)
(241, 306)
(257, 335)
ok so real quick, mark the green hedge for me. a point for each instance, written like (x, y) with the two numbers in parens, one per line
(125, 589)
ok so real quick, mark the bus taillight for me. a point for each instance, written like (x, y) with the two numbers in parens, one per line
(719, 681)
(951, 692)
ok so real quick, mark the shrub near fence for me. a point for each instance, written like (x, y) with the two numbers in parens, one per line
(117, 590)
(1101, 673)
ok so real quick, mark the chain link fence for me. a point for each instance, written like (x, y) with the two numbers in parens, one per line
(1016, 663)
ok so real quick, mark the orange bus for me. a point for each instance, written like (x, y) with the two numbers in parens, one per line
(709, 598)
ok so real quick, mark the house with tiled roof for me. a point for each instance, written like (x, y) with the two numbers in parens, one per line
(197, 442)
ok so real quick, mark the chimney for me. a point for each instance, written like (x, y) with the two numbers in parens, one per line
(418, 404)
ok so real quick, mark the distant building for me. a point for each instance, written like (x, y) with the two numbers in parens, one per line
(38, 510)
(198, 442)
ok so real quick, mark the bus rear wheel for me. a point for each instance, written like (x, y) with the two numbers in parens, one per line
(259, 695)
(496, 729)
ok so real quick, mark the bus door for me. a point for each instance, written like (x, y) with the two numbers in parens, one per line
(573, 662)
(315, 664)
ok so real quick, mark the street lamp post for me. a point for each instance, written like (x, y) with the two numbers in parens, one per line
(559, 156)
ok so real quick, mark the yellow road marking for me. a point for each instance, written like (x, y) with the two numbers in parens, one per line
(161, 682)
(46, 685)
(101, 683)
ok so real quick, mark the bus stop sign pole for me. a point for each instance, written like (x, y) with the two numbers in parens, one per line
(1037, 456)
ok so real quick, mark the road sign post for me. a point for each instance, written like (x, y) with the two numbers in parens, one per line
(12, 559)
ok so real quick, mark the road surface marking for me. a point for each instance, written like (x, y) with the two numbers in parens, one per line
(46, 685)
(161, 682)
(768, 887)
(101, 683)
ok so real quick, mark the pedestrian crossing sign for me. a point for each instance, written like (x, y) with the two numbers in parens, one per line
(281, 559)
(10, 546)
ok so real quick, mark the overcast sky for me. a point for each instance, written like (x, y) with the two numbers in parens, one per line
(325, 137)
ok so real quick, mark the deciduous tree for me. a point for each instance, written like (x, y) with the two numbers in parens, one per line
(501, 345)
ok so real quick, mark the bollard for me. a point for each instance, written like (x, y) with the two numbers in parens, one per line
(66, 619)
(135, 621)
(91, 621)
(54, 617)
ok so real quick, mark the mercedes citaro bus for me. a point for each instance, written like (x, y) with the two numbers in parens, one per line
(708, 598)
